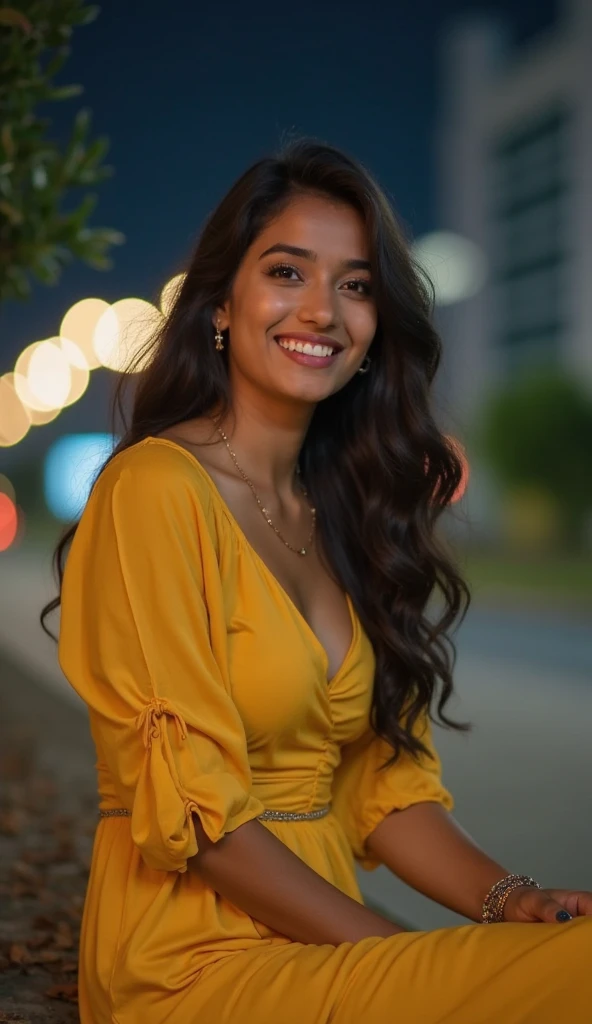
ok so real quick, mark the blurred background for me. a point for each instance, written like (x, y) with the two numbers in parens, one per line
(122, 127)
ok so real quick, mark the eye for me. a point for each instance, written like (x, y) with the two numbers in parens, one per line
(272, 271)
(366, 286)
(362, 283)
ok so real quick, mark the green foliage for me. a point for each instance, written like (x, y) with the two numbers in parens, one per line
(38, 237)
(537, 431)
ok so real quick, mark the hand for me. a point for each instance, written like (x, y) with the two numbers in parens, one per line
(530, 904)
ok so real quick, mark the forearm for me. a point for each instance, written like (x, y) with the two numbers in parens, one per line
(254, 870)
(427, 848)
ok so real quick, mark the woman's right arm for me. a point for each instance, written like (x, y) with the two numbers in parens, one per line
(259, 874)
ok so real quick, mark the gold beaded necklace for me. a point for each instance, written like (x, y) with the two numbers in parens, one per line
(265, 511)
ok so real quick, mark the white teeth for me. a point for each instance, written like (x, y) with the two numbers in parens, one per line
(306, 347)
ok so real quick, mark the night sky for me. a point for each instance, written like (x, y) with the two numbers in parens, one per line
(191, 94)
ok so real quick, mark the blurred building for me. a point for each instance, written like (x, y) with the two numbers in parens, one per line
(515, 174)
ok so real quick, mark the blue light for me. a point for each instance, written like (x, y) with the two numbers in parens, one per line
(70, 467)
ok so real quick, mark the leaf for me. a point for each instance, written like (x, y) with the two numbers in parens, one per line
(37, 941)
(68, 992)
(47, 956)
(57, 62)
(64, 92)
(64, 938)
(14, 216)
(19, 954)
(39, 177)
(7, 140)
(87, 14)
(14, 19)
(26, 873)
(11, 822)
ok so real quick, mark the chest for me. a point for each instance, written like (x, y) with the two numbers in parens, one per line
(305, 579)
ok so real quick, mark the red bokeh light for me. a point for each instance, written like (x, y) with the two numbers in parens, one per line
(8, 521)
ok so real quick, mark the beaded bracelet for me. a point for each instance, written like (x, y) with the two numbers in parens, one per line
(494, 902)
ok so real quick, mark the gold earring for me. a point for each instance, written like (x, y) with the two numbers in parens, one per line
(219, 342)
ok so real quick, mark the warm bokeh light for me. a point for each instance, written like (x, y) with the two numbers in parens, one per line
(38, 417)
(49, 375)
(123, 330)
(15, 419)
(170, 292)
(8, 521)
(456, 266)
(79, 326)
(21, 380)
(79, 370)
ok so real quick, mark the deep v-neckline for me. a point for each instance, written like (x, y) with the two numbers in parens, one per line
(270, 575)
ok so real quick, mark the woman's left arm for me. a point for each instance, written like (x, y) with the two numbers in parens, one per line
(425, 847)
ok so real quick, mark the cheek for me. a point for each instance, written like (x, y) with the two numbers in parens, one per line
(265, 305)
(361, 322)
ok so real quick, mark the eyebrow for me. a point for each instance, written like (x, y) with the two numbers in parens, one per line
(308, 254)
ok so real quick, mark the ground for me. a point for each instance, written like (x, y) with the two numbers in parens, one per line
(47, 821)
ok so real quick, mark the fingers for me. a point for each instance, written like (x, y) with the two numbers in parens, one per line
(550, 910)
(577, 902)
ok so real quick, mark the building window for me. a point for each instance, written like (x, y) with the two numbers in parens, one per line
(530, 246)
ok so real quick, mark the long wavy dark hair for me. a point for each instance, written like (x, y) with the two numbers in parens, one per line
(375, 464)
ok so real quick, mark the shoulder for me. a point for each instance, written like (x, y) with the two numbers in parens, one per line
(155, 471)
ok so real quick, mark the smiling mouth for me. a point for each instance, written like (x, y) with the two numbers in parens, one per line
(315, 349)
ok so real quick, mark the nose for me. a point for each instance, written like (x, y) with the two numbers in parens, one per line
(318, 304)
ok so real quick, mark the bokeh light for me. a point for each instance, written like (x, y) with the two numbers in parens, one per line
(170, 292)
(8, 521)
(69, 470)
(15, 419)
(123, 330)
(79, 325)
(21, 381)
(49, 375)
(456, 266)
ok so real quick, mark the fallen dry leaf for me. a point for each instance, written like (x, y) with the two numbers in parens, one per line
(26, 873)
(19, 954)
(63, 938)
(20, 889)
(11, 822)
(68, 992)
(46, 956)
(37, 941)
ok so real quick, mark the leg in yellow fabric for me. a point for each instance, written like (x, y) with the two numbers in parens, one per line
(475, 974)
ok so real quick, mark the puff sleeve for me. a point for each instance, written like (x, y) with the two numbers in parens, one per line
(143, 642)
(362, 796)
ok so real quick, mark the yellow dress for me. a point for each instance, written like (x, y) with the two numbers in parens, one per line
(208, 693)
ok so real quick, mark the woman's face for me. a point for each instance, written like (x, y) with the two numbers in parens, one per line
(313, 292)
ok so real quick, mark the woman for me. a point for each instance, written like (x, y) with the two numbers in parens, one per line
(244, 613)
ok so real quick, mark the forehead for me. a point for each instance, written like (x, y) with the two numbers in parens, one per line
(327, 226)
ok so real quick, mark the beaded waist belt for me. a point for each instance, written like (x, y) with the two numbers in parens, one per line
(121, 812)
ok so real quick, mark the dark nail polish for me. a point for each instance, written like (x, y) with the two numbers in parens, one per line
(562, 915)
